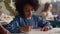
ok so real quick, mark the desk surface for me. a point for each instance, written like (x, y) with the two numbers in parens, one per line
(55, 23)
(36, 31)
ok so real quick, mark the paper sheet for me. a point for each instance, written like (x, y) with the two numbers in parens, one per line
(37, 31)
(53, 31)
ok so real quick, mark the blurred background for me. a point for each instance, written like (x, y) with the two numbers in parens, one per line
(9, 9)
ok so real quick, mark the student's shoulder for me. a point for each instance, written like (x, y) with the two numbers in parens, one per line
(18, 17)
(36, 16)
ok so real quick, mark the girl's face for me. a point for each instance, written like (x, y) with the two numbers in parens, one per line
(28, 11)
(50, 7)
(0, 12)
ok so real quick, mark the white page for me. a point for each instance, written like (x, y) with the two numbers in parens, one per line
(37, 31)
(53, 31)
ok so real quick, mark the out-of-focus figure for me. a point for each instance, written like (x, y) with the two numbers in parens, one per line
(0, 12)
(4, 18)
(47, 13)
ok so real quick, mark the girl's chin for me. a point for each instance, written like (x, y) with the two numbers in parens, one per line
(29, 17)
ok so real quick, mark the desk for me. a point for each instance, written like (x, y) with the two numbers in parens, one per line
(37, 31)
(55, 23)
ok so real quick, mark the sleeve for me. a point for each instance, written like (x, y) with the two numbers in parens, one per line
(42, 23)
(13, 26)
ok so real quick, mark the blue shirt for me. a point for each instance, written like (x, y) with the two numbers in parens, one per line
(20, 21)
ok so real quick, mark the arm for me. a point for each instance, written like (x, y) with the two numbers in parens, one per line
(13, 26)
(16, 26)
(3, 30)
(44, 24)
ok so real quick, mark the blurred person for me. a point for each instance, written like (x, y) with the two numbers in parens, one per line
(2, 30)
(47, 13)
(0, 13)
(4, 17)
(26, 20)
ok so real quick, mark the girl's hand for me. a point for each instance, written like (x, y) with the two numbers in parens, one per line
(46, 28)
(25, 29)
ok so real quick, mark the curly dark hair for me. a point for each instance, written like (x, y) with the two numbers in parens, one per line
(19, 4)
